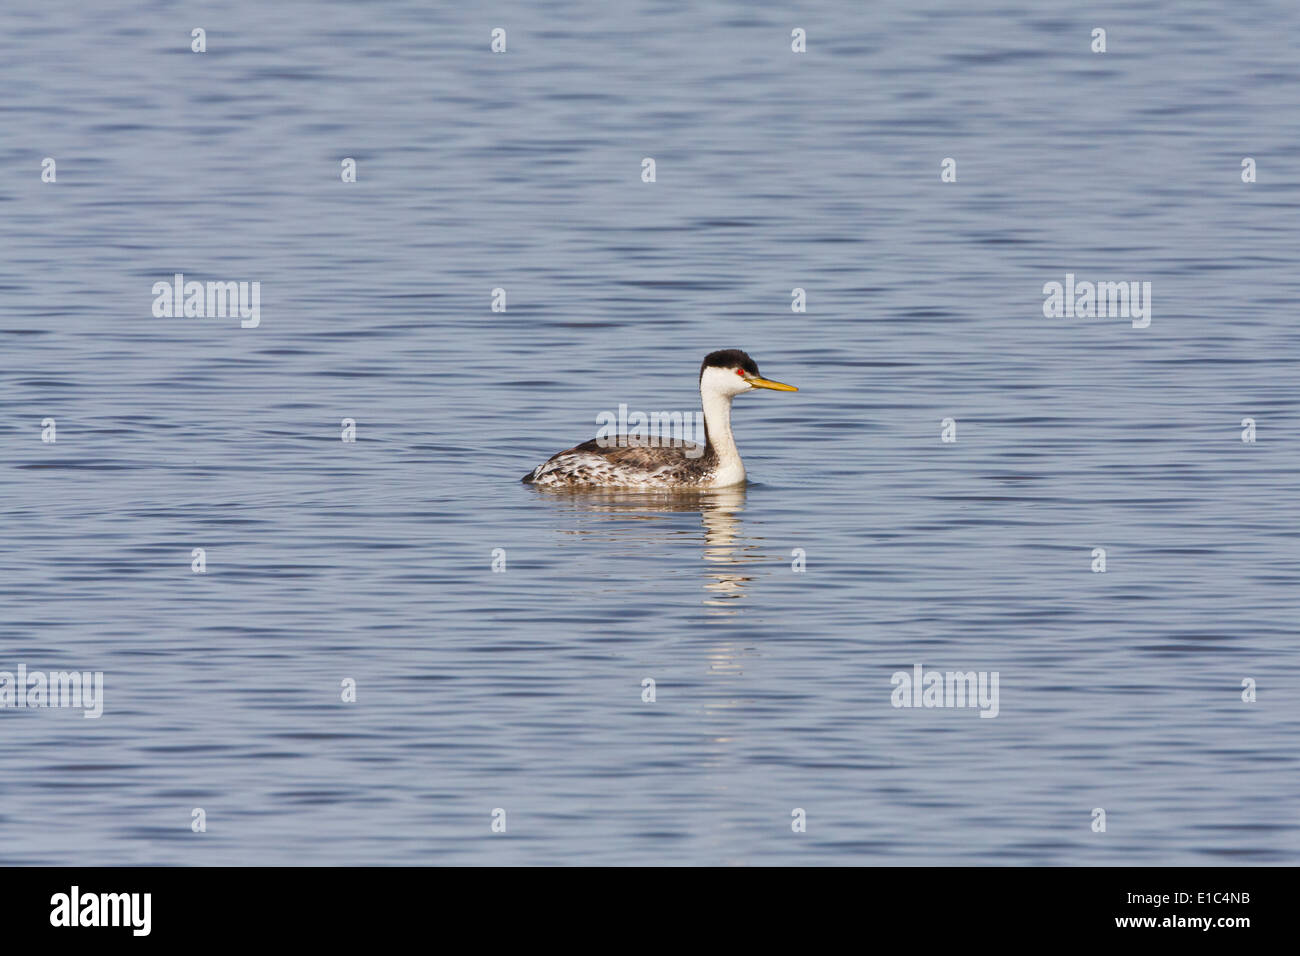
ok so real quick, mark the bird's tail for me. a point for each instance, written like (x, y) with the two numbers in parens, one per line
(528, 478)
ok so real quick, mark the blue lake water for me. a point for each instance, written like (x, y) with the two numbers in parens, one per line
(522, 689)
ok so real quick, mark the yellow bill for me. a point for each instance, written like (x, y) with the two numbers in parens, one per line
(768, 383)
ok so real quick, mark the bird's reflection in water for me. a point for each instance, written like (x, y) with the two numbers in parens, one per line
(725, 551)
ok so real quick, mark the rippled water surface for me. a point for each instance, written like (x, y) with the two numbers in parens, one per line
(522, 689)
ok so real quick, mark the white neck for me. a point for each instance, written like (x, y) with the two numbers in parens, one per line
(717, 420)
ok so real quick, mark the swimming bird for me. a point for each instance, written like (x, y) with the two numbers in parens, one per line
(633, 461)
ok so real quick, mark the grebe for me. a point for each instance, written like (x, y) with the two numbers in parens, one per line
(636, 462)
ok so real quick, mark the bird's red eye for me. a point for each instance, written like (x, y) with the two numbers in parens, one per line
(740, 372)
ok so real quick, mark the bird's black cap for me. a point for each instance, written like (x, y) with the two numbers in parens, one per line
(729, 358)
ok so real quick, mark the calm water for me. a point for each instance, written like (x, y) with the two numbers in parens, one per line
(522, 689)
